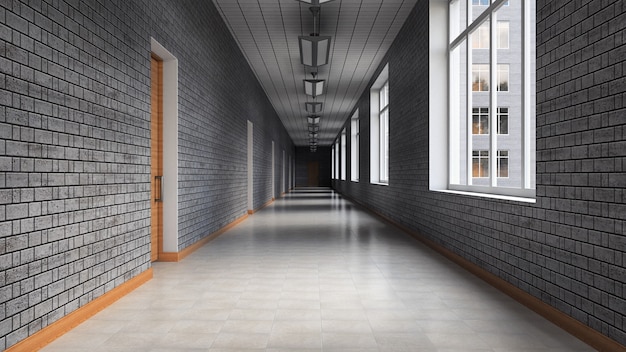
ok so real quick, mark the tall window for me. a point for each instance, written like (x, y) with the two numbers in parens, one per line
(384, 132)
(379, 129)
(491, 131)
(343, 155)
(354, 147)
(332, 162)
(337, 151)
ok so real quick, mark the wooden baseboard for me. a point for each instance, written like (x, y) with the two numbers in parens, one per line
(53, 331)
(581, 331)
(261, 207)
(178, 256)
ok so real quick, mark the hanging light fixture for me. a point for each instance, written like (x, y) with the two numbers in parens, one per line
(315, 2)
(314, 128)
(314, 49)
(313, 107)
(313, 119)
(314, 87)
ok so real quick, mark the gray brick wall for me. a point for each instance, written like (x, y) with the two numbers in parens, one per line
(218, 94)
(75, 151)
(568, 249)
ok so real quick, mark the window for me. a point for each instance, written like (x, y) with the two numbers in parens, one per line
(503, 163)
(384, 132)
(479, 160)
(503, 78)
(337, 167)
(480, 78)
(379, 129)
(480, 163)
(503, 120)
(480, 37)
(354, 147)
(332, 162)
(343, 155)
(503, 35)
(480, 120)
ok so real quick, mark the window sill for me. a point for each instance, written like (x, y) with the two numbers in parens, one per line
(380, 183)
(488, 195)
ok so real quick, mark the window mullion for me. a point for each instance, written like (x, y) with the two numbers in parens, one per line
(468, 109)
(526, 178)
(493, 101)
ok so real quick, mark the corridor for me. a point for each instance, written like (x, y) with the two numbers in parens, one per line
(313, 272)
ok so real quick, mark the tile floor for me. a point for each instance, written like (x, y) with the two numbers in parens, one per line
(314, 273)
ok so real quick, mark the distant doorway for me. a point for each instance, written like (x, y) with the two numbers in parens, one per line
(313, 174)
(156, 157)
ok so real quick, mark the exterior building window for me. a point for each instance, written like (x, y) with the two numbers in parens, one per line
(480, 120)
(343, 155)
(503, 163)
(480, 38)
(480, 163)
(480, 78)
(354, 147)
(379, 129)
(491, 136)
(503, 120)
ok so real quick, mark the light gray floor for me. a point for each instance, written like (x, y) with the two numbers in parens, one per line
(314, 273)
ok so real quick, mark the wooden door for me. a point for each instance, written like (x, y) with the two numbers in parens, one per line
(313, 174)
(156, 167)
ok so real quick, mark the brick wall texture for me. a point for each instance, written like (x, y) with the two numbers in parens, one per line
(568, 249)
(75, 151)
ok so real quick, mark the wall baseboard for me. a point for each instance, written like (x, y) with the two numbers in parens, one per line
(53, 331)
(178, 256)
(261, 207)
(579, 330)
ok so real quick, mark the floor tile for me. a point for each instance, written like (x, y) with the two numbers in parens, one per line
(313, 273)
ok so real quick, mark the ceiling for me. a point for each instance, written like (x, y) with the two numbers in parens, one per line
(267, 32)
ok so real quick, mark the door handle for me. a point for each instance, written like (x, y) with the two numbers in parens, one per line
(158, 180)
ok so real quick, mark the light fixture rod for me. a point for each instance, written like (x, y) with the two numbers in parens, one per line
(315, 10)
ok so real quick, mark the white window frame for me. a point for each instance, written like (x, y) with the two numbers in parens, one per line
(344, 160)
(442, 143)
(354, 146)
(379, 144)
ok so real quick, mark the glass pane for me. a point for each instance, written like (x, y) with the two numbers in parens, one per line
(509, 97)
(503, 120)
(503, 34)
(458, 18)
(460, 117)
(478, 7)
(480, 37)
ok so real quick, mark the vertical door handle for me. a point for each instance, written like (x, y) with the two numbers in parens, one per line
(158, 180)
